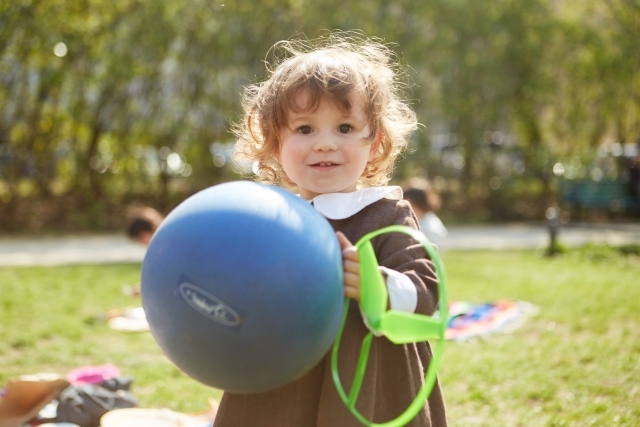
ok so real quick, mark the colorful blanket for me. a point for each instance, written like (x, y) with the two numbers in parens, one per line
(468, 320)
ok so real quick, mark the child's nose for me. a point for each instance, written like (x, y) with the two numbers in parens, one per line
(325, 142)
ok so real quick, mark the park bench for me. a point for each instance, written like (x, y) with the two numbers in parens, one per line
(610, 195)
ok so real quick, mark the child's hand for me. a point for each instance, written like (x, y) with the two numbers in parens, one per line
(351, 267)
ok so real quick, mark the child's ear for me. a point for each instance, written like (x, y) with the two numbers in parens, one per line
(375, 146)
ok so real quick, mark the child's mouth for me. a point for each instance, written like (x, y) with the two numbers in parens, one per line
(324, 164)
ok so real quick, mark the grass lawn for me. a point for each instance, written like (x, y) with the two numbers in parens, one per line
(577, 363)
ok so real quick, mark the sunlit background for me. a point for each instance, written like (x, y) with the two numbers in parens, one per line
(109, 104)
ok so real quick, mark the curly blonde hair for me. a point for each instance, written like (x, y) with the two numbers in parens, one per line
(330, 67)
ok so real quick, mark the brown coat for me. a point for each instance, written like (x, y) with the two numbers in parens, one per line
(394, 372)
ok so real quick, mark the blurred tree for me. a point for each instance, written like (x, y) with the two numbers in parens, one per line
(106, 103)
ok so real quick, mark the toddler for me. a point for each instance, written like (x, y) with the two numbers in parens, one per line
(328, 123)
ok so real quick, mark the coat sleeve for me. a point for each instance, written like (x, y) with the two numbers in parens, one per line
(402, 253)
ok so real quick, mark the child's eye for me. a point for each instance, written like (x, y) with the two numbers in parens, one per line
(344, 128)
(305, 130)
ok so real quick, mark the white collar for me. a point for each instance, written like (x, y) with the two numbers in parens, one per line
(344, 205)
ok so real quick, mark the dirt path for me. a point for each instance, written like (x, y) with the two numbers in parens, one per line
(117, 248)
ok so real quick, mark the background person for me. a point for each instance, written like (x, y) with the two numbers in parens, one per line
(425, 203)
(144, 224)
(141, 229)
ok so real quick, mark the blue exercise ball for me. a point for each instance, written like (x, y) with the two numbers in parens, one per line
(242, 286)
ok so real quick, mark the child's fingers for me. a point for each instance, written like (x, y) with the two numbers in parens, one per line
(350, 266)
(352, 285)
(344, 242)
(353, 293)
(351, 277)
(349, 252)
(351, 280)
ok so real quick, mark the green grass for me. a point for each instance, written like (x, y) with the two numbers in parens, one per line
(49, 323)
(576, 363)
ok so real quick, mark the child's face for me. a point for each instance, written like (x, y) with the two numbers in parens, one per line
(326, 150)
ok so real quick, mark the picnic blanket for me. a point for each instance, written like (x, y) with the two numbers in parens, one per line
(469, 320)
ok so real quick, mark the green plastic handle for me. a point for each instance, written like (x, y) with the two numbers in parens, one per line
(374, 295)
(398, 327)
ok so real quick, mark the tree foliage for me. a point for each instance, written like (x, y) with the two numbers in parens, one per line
(106, 103)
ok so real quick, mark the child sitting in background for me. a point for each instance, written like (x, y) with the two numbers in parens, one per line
(144, 224)
(329, 123)
(425, 202)
(141, 229)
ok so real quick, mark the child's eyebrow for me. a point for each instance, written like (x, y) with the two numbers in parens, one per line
(298, 117)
